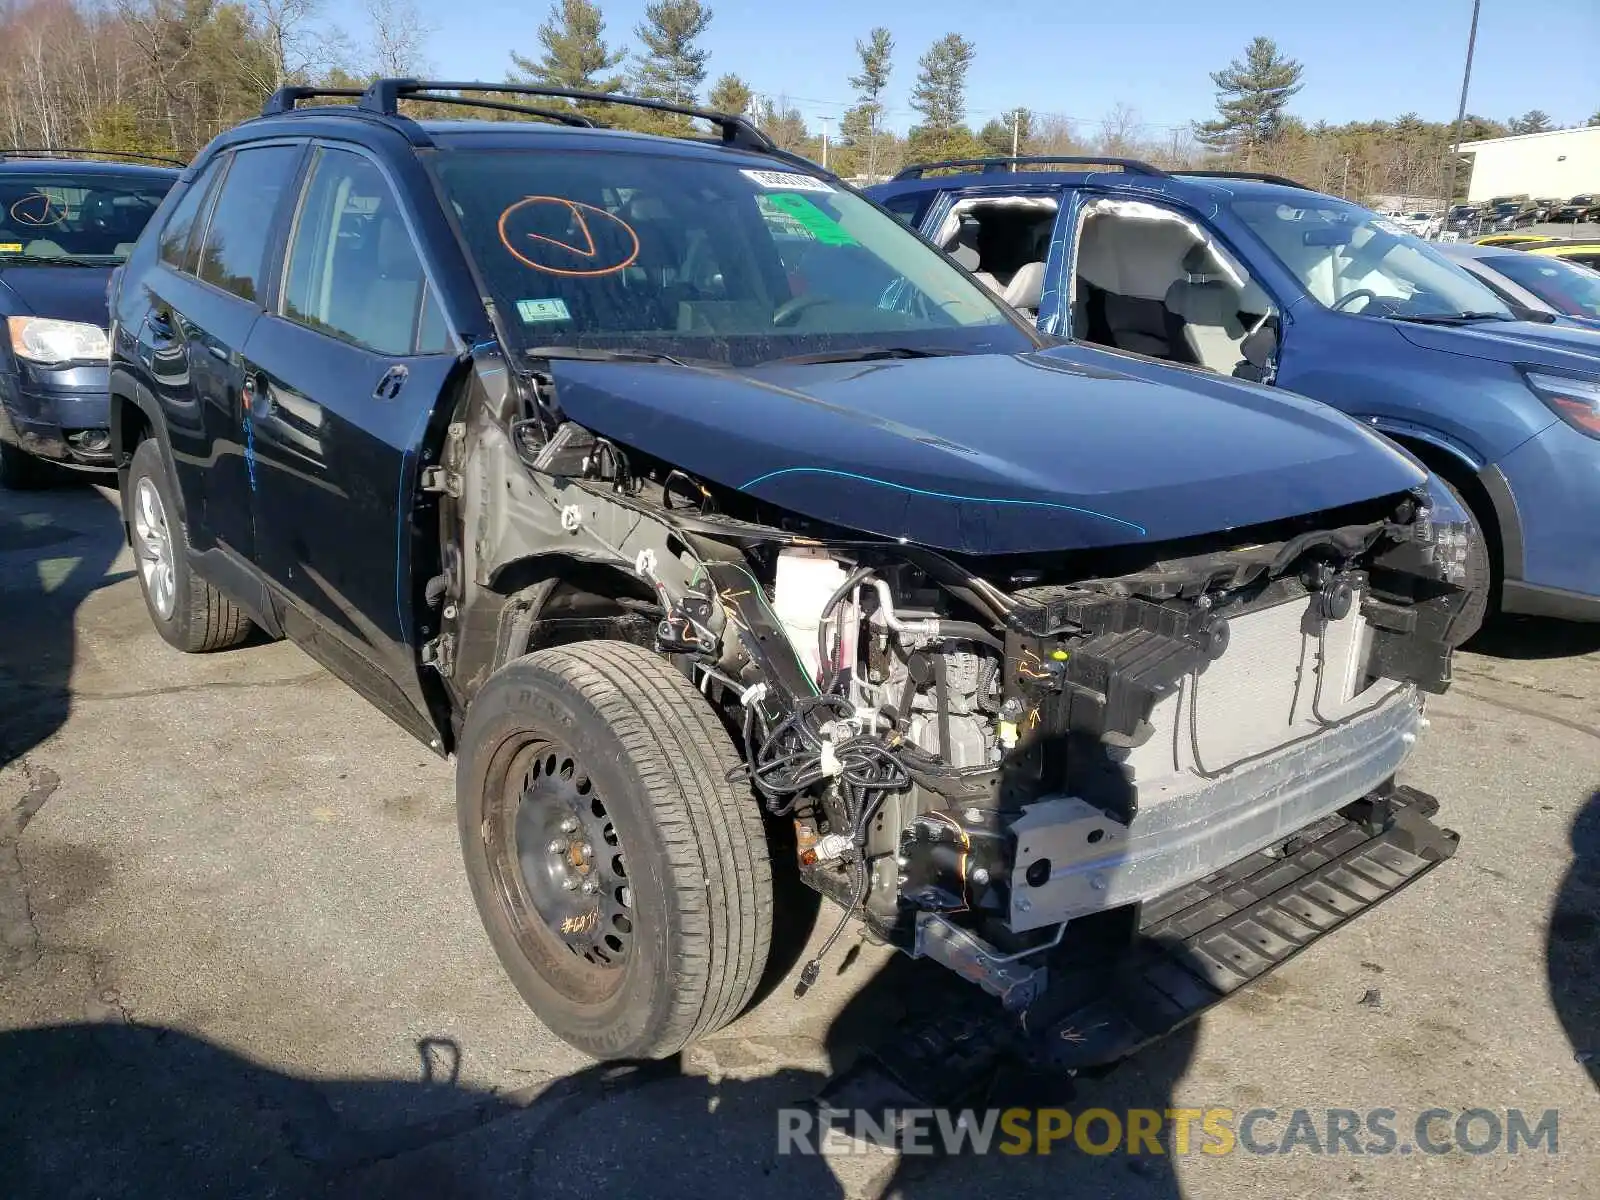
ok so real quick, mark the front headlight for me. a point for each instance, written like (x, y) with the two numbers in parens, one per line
(1575, 401)
(50, 342)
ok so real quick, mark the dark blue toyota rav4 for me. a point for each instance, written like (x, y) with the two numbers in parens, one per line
(688, 499)
(65, 224)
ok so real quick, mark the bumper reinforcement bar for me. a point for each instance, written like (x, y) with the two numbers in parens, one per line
(1192, 949)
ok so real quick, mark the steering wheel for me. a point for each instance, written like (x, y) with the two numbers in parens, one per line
(791, 308)
(1339, 304)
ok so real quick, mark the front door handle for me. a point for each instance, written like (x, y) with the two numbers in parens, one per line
(393, 380)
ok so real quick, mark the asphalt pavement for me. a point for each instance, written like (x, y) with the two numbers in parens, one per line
(238, 957)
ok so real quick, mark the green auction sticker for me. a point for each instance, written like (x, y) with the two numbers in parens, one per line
(815, 222)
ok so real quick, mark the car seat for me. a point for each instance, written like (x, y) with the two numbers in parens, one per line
(1125, 268)
(1206, 305)
(388, 319)
(965, 252)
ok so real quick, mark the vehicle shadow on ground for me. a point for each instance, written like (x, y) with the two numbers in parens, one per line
(56, 547)
(1515, 637)
(1573, 947)
(96, 1110)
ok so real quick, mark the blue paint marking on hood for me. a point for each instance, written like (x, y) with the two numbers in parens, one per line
(66, 293)
(1062, 449)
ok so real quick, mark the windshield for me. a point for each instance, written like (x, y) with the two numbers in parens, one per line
(50, 218)
(1564, 286)
(1506, 210)
(1349, 259)
(675, 255)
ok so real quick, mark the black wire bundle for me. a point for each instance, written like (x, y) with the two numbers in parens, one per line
(790, 762)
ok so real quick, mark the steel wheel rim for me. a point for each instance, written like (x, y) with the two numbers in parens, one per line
(564, 867)
(153, 546)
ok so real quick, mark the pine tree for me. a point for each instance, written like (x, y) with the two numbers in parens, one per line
(731, 95)
(940, 94)
(672, 67)
(1535, 120)
(1251, 98)
(575, 56)
(862, 125)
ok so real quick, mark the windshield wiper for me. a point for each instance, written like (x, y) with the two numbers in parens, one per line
(42, 260)
(862, 354)
(1465, 318)
(595, 354)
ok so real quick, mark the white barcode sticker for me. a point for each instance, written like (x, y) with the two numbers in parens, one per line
(787, 181)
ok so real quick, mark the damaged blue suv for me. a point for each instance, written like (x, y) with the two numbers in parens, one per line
(718, 525)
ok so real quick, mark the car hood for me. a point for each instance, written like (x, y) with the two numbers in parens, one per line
(1573, 347)
(989, 454)
(67, 293)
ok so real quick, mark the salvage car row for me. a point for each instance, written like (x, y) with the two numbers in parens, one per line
(682, 493)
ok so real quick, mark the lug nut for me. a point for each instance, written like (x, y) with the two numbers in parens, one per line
(569, 825)
(556, 846)
(570, 884)
(980, 875)
(587, 850)
(590, 887)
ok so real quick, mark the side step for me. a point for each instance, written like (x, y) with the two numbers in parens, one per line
(1192, 949)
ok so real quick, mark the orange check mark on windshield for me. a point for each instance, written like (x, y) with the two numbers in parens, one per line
(587, 250)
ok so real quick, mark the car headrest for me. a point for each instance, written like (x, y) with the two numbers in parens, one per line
(1211, 304)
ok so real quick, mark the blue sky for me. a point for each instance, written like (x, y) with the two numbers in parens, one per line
(1363, 58)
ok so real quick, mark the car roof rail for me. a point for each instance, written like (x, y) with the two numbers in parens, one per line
(993, 165)
(286, 98)
(1257, 176)
(76, 151)
(384, 95)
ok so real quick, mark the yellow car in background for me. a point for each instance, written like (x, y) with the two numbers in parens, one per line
(1585, 254)
(1512, 239)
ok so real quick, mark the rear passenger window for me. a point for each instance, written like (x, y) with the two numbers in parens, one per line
(235, 248)
(180, 227)
(354, 272)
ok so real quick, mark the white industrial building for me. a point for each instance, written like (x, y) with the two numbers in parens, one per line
(1559, 163)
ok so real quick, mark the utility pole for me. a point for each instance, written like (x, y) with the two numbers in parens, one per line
(824, 121)
(1016, 121)
(1461, 115)
(1344, 184)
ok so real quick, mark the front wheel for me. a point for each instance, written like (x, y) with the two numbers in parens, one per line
(623, 880)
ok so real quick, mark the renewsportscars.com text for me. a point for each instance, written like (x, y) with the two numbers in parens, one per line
(1171, 1131)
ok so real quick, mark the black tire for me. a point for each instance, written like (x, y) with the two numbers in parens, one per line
(647, 753)
(202, 619)
(22, 472)
(1482, 577)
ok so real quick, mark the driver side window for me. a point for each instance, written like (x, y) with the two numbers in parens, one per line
(1153, 281)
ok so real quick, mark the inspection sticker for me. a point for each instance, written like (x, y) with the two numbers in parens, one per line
(534, 311)
(10, 247)
(789, 181)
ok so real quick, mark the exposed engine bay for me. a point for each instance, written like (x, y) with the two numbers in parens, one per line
(974, 751)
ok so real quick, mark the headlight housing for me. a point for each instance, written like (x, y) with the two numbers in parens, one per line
(1576, 401)
(50, 342)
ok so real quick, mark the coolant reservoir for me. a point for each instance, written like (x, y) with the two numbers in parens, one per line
(805, 581)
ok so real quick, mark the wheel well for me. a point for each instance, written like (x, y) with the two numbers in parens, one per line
(573, 601)
(129, 427)
(1465, 481)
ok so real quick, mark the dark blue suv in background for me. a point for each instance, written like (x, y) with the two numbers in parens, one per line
(675, 488)
(65, 224)
(1261, 278)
